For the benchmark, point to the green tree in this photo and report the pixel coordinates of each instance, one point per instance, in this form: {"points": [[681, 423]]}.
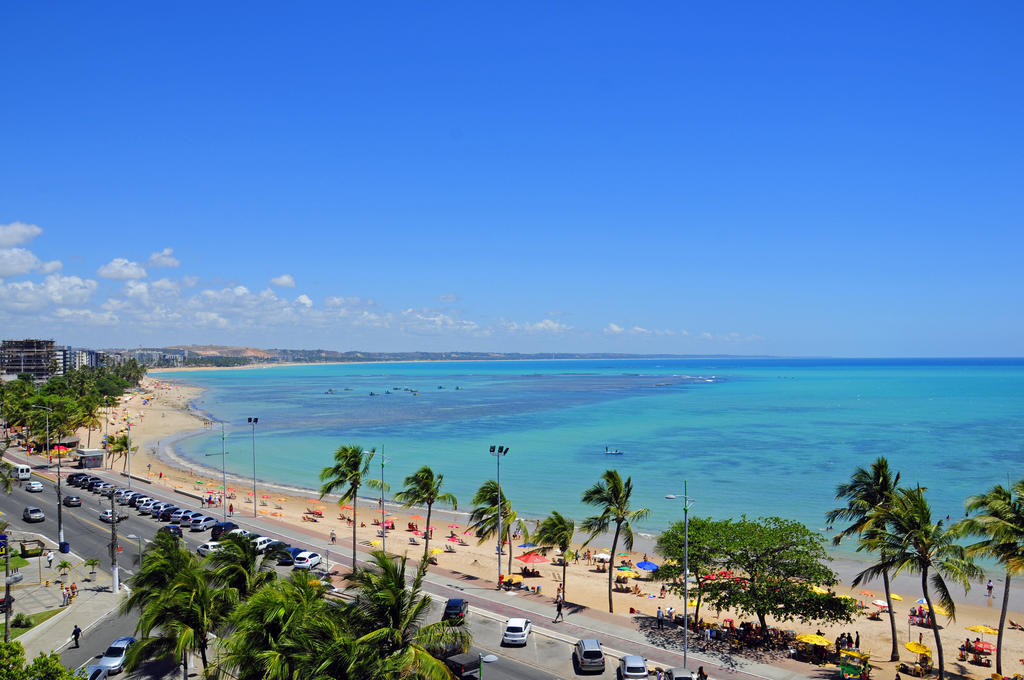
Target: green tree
{"points": [[423, 487], [351, 466], [774, 563], [388, 614], [117, 446], [557, 531], [613, 497], [908, 540], [43, 667], [239, 567], [708, 543], [485, 516], [1000, 524], [868, 496]]}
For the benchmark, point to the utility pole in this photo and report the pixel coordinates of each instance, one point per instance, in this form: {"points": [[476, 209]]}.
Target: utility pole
{"points": [[113, 547], [60, 505], [7, 587], [252, 423], [223, 474]]}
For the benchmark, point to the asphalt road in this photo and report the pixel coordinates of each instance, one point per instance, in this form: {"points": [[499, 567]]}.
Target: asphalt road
{"points": [[88, 536]]}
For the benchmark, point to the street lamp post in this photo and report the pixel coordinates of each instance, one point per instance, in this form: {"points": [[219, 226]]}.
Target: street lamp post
{"points": [[60, 505], [224, 475], [687, 502], [252, 422], [139, 539], [499, 452], [128, 453], [383, 526]]}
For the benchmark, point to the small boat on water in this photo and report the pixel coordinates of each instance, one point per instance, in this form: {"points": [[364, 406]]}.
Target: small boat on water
{"points": [[612, 452]]}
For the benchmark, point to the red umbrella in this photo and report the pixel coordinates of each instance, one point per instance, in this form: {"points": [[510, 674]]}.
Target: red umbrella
{"points": [[417, 533], [417, 517], [532, 558], [453, 526], [344, 507], [985, 646], [454, 539], [264, 496]]}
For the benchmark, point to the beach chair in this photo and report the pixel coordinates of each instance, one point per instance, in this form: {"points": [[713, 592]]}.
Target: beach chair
{"points": [[413, 541], [263, 502], [380, 533], [462, 542], [307, 518], [278, 506], [448, 548]]}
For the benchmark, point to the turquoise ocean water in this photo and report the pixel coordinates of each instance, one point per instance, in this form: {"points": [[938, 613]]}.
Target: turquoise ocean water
{"points": [[754, 436]]}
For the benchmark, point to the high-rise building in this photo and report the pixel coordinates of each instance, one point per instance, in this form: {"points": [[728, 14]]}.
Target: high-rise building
{"points": [[37, 357]]}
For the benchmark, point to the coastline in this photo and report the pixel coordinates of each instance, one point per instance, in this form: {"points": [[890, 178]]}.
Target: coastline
{"points": [[171, 416]]}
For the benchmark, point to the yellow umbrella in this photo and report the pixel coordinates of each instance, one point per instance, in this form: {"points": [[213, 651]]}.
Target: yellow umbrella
{"points": [[938, 609], [812, 639], [435, 551], [626, 572], [819, 590], [984, 630], [514, 578], [918, 648], [374, 543], [896, 597]]}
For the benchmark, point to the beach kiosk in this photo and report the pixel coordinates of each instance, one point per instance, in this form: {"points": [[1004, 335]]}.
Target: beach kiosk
{"points": [[854, 665], [88, 458]]}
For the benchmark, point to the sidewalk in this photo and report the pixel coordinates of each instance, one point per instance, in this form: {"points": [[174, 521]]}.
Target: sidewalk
{"points": [[93, 602]]}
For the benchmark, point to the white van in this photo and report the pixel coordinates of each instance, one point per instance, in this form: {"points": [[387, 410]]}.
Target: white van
{"points": [[22, 472]]}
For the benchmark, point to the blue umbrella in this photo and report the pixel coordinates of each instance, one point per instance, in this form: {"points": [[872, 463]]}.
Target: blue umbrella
{"points": [[647, 565], [528, 545]]}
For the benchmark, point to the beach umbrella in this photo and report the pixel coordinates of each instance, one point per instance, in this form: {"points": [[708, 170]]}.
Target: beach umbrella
{"points": [[374, 543], [249, 493], [894, 596], [417, 533], [880, 603], [419, 517], [312, 500], [282, 498], [276, 514], [265, 496], [454, 539], [231, 488], [602, 557], [867, 593], [918, 648], [435, 551], [532, 558], [627, 572], [527, 545], [985, 646], [811, 639], [983, 629], [941, 611], [453, 526], [647, 565], [921, 600], [344, 507], [467, 531]]}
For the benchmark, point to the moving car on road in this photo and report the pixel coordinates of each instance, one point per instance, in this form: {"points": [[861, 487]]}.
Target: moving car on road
{"points": [[34, 487], [517, 631], [113, 658], [72, 501], [31, 514]]}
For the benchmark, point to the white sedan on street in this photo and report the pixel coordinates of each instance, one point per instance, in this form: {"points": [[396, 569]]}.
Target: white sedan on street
{"points": [[307, 560], [516, 632], [34, 487]]}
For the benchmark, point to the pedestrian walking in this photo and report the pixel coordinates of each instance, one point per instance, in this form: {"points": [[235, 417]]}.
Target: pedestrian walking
{"points": [[989, 587], [49, 559], [334, 537], [856, 641], [670, 614], [76, 634], [661, 618], [559, 616], [231, 509]]}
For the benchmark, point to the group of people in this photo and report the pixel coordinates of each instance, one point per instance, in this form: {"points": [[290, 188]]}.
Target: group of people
{"points": [[846, 641], [67, 594]]}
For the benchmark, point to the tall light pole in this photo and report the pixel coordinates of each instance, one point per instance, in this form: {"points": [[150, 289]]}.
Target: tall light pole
{"points": [[224, 475], [60, 505], [252, 422], [687, 502], [115, 574], [383, 526], [499, 452]]}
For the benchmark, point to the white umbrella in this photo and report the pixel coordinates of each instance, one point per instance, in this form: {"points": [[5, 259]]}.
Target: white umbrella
{"points": [[880, 603], [603, 557]]}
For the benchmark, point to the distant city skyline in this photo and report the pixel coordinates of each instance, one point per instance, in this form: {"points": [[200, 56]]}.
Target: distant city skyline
{"points": [[750, 179]]}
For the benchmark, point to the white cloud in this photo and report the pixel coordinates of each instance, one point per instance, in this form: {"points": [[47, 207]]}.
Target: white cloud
{"points": [[449, 297], [27, 296], [85, 316], [165, 258], [304, 301], [284, 281], [122, 269], [16, 233], [430, 321], [211, 319], [15, 261], [190, 281], [545, 326], [613, 329]]}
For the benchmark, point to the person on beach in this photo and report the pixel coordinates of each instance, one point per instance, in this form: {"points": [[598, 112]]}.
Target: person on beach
{"points": [[334, 537], [231, 509], [661, 618], [76, 634], [559, 616], [989, 587], [670, 614]]}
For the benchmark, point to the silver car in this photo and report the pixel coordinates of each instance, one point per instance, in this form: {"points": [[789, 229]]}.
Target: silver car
{"points": [[201, 523], [113, 658], [632, 666]]}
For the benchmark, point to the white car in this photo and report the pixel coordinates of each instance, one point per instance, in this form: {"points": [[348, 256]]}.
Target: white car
{"points": [[306, 560], [239, 532], [261, 543], [207, 548], [632, 666], [109, 517], [516, 631], [34, 487], [126, 498]]}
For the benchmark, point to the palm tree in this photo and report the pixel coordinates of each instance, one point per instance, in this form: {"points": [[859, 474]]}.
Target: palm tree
{"points": [[6, 476], [283, 631], [613, 498], [173, 593], [351, 465], [558, 531], [89, 416], [868, 494], [1001, 526], [906, 539], [237, 565], [484, 518], [423, 487], [92, 563], [118, 444], [388, 613]]}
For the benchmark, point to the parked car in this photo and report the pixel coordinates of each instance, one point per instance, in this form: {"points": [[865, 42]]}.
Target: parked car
{"points": [[137, 501], [632, 666], [239, 532], [113, 658], [159, 507], [455, 610], [517, 631], [92, 672], [176, 517], [110, 517], [306, 560], [167, 512], [201, 523], [464, 666], [587, 655], [220, 528], [126, 499], [207, 548], [75, 477], [261, 543], [146, 506], [34, 487], [72, 501], [107, 490], [6, 604], [172, 529], [31, 514], [287, 558]]}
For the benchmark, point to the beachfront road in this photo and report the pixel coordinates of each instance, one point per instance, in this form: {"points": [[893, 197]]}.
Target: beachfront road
{"points": [[541, 659]]}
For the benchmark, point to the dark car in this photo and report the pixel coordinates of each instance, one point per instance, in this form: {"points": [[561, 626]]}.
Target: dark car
{"points": [[72, 501], [165, 514], [94, 484], [220, 528], [455, 610], [75, 477], [287, 558], [172, 529], [276, 548]]}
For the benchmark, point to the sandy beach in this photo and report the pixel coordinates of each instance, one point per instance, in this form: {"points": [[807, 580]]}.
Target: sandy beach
{"points": [[161, 413]]}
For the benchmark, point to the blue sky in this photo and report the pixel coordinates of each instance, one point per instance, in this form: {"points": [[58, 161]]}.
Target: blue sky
{"points": [[748, 178]]}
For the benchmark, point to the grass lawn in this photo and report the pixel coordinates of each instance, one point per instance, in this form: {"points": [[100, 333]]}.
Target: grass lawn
{"points": [[36, 620]]}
